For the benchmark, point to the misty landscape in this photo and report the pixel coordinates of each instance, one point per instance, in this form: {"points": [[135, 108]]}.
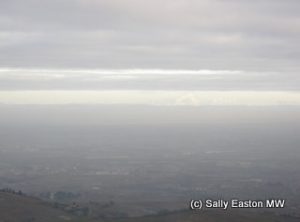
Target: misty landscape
{"points": [[133, 161], [149, 111]]}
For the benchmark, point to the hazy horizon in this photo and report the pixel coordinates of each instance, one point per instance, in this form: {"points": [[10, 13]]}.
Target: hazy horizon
{"points": [[135, 110]]}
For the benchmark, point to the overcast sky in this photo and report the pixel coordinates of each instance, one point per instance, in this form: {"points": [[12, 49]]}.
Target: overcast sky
{"points": [[185, 34], [157, 44]]}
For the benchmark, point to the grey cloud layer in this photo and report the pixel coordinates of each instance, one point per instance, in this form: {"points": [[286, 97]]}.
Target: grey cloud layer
{"points": [[170, 34], [144, 79]]}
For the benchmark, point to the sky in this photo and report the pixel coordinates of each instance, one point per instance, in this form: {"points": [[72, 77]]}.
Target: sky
{"points": [[188, 46]]}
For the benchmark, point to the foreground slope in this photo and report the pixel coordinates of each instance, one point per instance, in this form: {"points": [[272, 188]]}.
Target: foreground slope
{"points": [[20, 208], [214, 216]]}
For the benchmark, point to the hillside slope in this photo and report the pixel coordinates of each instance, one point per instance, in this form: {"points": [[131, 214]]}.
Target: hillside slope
{"points": [[213, 216], [19, 208]]}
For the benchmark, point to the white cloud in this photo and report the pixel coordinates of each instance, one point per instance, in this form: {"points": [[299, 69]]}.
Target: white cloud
{"points": [[159, 98], [142, 79]]}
